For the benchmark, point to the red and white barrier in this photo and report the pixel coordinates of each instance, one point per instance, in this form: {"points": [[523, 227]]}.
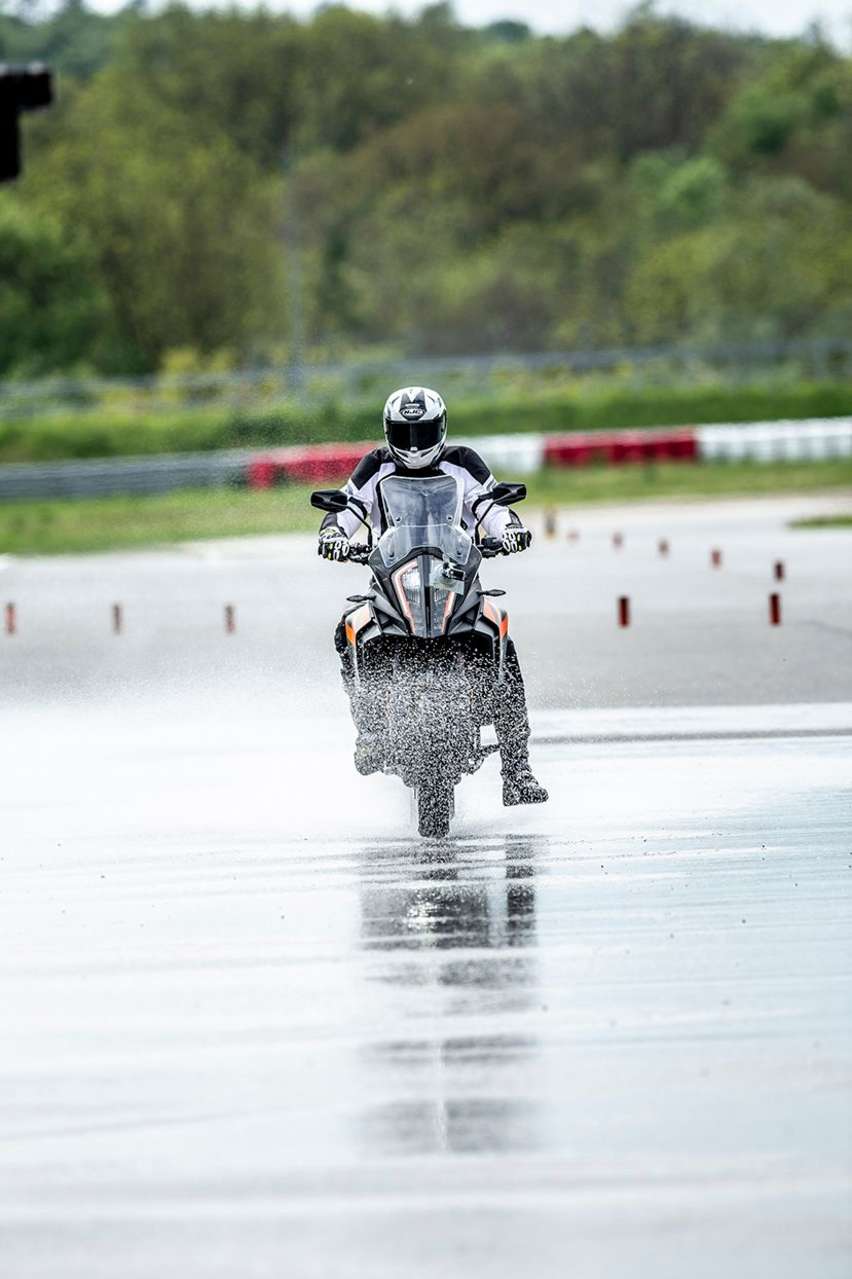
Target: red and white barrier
{"points": [[816, 439], [506, 454]]}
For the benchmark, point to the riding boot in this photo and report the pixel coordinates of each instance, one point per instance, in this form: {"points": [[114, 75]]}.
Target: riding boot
{"points": [[512, 726]]}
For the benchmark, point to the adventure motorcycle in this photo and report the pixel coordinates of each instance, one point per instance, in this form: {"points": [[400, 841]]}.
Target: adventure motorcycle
{"points": [[425, 647]]}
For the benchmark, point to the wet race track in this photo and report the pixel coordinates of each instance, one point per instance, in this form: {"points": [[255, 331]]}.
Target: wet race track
{"points": [[254, 1026]]}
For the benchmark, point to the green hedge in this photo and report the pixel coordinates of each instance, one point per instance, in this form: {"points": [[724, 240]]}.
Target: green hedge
{"points": [[103, 434]]}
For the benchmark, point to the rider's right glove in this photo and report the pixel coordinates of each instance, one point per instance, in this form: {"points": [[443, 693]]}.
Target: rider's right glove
{"points": [[333, 544]]}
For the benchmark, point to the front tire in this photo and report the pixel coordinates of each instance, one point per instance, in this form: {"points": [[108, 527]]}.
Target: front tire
{"points": [[434, 809]]}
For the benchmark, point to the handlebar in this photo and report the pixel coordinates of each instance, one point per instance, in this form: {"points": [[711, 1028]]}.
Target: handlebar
{"points": [[489, 547]]}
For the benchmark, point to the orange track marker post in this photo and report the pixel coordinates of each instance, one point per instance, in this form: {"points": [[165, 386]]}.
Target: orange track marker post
{"points": [[778, 570], [117, 619], [623, 610], [617, 541], [663, 546], [716, 557], [550, 520], [230, 619], [774, 609], [11, 618]]}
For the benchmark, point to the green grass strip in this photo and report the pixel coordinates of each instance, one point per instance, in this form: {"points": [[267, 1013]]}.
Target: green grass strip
{"points": [[825, 521]]}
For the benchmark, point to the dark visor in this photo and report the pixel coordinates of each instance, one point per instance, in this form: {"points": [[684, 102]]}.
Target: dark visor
{"points": [[415, 435]]}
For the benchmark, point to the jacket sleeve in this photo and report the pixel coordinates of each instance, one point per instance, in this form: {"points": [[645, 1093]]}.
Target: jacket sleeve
{"points": [[361, 486], [478, 483]]}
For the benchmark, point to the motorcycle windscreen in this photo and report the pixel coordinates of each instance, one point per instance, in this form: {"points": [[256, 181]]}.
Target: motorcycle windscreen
{"points": [[422, 511], [425, 597]]}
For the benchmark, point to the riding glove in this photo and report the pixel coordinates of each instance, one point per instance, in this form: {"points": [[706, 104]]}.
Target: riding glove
{"points": [[516, 538], [333, 544]]}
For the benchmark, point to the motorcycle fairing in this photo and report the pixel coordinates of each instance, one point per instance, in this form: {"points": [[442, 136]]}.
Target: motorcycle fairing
{"points": [[476, 615], [426, 575], [356, 620]]}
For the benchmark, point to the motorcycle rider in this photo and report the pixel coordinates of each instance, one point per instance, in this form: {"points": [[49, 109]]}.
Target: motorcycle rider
{"points": [[415, 428]]}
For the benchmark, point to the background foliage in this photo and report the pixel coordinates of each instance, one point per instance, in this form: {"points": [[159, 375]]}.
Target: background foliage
{"points": [[439, 188], [119, 430]]}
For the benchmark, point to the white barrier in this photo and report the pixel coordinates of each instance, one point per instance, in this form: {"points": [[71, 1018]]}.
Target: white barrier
{"points": [[811, 440], [518, 454]]}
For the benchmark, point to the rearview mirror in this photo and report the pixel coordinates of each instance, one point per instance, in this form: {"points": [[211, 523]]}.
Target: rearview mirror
{"points": [[330, 500], [505, 494]]}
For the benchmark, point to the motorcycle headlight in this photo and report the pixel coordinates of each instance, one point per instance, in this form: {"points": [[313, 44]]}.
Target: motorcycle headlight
{"points": [[443, 601], [408, 585]]}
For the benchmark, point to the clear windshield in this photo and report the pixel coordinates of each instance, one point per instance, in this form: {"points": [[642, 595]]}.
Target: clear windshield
{"points": [[422, 512]]}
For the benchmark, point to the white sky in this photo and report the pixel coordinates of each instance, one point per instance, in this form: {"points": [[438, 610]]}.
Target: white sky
{"points": [[772, 17]]}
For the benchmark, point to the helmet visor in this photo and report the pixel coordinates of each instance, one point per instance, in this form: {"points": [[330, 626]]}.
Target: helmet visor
{"points": [[407, 436]]}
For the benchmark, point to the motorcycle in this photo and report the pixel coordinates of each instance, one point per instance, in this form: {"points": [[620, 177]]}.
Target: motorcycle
{"points": [[425, 646]]}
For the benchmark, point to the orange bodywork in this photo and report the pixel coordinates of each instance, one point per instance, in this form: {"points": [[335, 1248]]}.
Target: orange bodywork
{"points": [[498, 616], [356, 622]]}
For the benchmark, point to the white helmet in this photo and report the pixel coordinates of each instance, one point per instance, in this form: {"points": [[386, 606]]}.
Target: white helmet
{"points": [[415, 420]]}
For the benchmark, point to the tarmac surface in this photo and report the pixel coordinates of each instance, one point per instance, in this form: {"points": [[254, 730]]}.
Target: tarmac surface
{"points": [[252, 1025], [698, 635]]}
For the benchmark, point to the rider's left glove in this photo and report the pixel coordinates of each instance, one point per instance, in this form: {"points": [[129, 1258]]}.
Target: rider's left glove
{"points": [[516, 538], [333, 544]]}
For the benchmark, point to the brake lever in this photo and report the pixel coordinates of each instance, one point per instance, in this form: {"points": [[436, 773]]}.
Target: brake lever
{"points": [[490, 547], [359, 554]]}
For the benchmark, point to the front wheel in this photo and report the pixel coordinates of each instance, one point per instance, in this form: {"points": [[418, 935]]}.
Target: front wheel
{"points": [[434, 809]]}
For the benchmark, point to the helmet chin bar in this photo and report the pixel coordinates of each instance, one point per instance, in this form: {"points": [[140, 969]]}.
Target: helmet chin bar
{"points": [[417, 461]]}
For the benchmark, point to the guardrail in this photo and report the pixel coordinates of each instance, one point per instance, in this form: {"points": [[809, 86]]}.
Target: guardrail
{"points": [[112, 476]]}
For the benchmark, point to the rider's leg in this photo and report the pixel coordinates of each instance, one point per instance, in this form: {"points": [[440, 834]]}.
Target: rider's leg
{"points": [[512, 726]]}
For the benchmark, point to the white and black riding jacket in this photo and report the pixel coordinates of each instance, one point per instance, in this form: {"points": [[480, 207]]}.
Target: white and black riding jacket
{"points": [[473, 482]]}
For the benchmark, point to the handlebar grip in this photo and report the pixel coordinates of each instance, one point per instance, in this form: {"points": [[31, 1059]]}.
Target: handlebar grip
{"points": [[490, 546], [359, 554]]}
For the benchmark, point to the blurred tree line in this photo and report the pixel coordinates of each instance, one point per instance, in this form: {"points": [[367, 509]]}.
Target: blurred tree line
{"points": [[447, 189]]}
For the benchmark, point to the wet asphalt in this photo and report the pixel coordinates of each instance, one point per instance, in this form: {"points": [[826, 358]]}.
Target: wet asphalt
{"points": [[253, 1025]]}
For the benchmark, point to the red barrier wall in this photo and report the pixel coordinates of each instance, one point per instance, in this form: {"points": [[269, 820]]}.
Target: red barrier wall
{"points": [[620, 447], [311, 464]]}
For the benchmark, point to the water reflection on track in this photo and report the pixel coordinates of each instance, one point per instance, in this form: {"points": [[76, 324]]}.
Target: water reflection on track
{"points": [[459, 935]]}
